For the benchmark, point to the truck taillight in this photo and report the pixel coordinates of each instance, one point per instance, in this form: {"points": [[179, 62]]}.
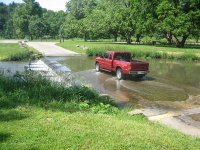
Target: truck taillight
{"points": [[129, 67]]}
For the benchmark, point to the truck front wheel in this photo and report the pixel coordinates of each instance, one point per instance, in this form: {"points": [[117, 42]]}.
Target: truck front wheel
{"points": [[119, 74], [97, 67]]}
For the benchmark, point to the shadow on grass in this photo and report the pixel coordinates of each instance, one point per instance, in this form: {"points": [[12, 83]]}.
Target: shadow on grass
{"points": [[11, 115], [4, 136]]}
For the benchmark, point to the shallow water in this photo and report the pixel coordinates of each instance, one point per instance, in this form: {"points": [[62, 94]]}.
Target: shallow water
{"points": [[10, 68], [168, 81]]}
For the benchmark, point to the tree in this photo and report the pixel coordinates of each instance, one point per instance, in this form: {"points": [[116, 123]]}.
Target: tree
{"points": [[70, 27], [55, 20], [9, 31], [3, 16], [37, 27], [94, 25], [22, 15], [78, 11], [178, 19], [143, 12]]}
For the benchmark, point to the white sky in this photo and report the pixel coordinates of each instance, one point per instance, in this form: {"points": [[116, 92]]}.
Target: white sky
{"points": [[54, 5]]}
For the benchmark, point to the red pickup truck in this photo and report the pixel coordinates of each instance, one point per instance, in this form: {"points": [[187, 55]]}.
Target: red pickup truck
{"points": [[122, 64]]}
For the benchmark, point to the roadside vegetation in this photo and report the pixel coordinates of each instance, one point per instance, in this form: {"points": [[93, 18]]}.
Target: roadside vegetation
{"points": [[14, 52], [144, 51], [175, 21], [38, 114]]}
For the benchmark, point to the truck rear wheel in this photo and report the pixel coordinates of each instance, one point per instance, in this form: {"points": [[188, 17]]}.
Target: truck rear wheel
{"points": [[119, 74], [97, 67]]}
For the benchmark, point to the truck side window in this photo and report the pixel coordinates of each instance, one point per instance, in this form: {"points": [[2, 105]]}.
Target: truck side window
{"points": [[106, 55], [110, 57]]}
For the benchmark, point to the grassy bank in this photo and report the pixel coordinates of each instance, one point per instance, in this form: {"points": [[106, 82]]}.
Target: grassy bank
{"points": [[145, 51], [38, 114], [13, 52]]}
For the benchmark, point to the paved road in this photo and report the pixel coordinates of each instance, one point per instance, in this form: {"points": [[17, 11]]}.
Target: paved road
{"points": [[51, 49]]}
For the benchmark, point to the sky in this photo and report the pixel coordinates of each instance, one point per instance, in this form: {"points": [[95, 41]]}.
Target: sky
{"points": [[54, 5]]}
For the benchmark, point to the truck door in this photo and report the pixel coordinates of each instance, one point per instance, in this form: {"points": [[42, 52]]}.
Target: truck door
{"points": [[103, 62], [109, 61]]}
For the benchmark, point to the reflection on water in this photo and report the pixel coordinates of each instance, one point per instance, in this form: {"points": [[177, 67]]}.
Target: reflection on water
{"points": [[182, 72], [167, 80], [79, 63]]}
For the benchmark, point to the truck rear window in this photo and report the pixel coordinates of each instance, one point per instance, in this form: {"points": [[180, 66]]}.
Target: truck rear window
{"points": [[123, 56]]}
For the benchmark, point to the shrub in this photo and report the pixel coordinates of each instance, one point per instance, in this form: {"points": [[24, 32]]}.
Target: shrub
{"points": [[148, 54], [35, 90]]}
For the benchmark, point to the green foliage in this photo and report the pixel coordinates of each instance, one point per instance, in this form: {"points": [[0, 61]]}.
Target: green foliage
{"points": [[28, 19], [25, 55], [22, 16], [104, 19], [3, 15], [178, 19], [13, 52], [32, 89], [53, 21], [45, 115], [37, 27], [142, 51], [148, 54]]}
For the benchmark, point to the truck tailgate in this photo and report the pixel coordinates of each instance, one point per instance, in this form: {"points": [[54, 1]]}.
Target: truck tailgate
{"points": [[139, 66]]}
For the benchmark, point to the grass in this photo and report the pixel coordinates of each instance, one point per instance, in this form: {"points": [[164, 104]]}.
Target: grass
{"points": [[13, 52], [38, 114], [146, 51]]}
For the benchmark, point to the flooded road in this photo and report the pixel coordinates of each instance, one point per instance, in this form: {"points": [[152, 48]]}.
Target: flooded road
{"points": [[167, 81], [170, 93]]}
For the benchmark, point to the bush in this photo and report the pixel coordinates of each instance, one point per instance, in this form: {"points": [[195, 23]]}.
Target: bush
{"points": [[148, 54], [42, 92], [24, 55]]}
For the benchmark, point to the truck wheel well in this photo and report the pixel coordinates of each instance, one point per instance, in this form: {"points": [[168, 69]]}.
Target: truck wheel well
{"points": [[118, 68]]}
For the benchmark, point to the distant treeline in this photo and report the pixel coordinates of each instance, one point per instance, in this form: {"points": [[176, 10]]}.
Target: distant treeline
{"points": [[174, 20]]}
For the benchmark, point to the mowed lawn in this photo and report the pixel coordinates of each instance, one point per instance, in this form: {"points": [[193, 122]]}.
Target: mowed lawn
{"points": [[35, 128], [6, 50], [72, 45], [14, 52]]}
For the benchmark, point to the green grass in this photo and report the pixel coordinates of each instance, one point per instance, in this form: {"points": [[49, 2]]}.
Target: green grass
{"points": [[38, 114], [146, 51], [13, 52]]}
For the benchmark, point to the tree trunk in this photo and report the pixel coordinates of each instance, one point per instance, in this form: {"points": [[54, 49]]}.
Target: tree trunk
{"points": [[169, 38], [128, 38], [180, 43], [138, 38], [115, 37], [184, 40], [85, 37], [197, 39]]}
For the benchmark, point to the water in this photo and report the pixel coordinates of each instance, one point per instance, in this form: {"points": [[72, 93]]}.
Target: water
{"points": [[171, 84], [171, 87], [10, 68]]}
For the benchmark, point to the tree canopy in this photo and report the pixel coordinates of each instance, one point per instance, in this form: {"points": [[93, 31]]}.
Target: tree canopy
{"points": [[175, 20]]}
